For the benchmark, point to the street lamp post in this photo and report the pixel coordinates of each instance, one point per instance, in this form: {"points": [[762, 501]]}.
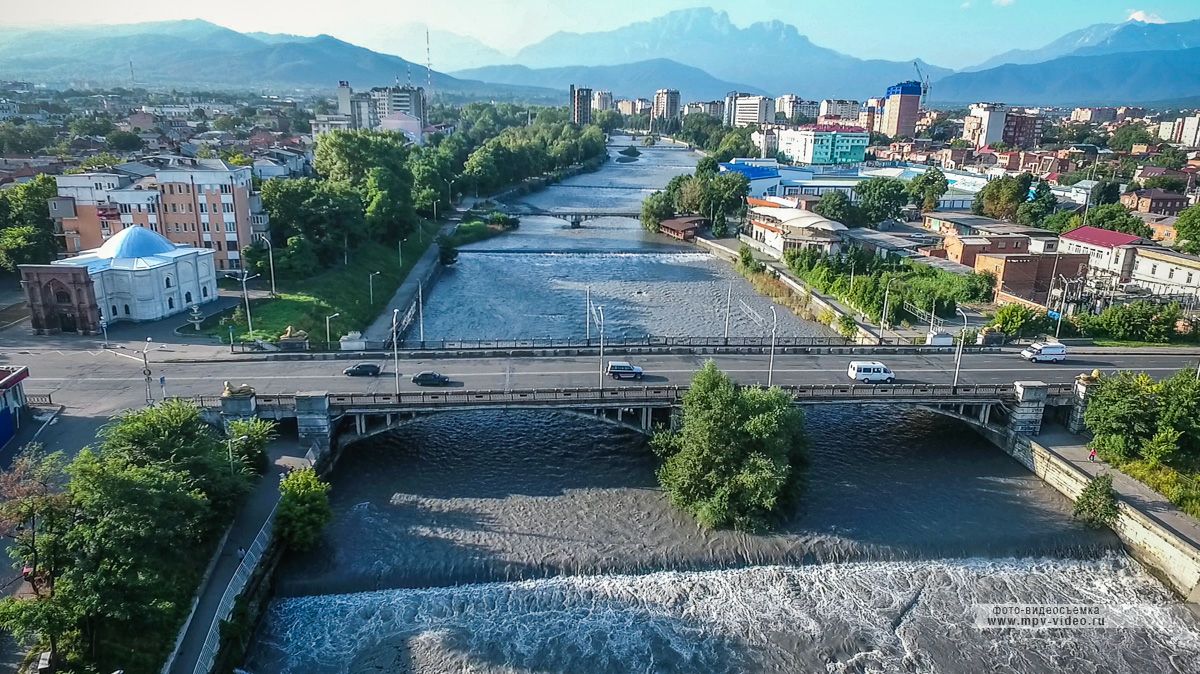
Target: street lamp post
{"points": [[771, 361], [328, 336], [598, 317], [587, 319], [146, 372], [271, 259], [962, 340], [229, 444], [421, 311], [728, 306], [886, 297], [371, 286], [396, 348], [400, 251], [246, 299], [449, 190]]}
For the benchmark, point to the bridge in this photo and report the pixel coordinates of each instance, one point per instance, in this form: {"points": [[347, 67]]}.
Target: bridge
{"points": [[321, 416], [573, 218]]}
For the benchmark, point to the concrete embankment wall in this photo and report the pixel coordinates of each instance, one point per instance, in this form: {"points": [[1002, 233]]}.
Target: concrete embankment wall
{"points": [[1169, 556]]}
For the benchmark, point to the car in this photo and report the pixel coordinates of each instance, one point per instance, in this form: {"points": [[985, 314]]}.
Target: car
{"points": [[1045, 352], [430, 378], [619, 369], [870, 372], [362, 370]]}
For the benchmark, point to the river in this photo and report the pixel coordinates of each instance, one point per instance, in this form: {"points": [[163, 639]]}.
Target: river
{"points": [[539, 542]]}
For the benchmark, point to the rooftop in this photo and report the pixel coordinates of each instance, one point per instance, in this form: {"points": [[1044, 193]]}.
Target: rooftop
{"points": [[1101, 237], [1158, 193], [131, 248]]}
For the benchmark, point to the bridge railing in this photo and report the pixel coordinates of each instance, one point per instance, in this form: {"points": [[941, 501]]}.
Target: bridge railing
{"points": [[570, 343]]}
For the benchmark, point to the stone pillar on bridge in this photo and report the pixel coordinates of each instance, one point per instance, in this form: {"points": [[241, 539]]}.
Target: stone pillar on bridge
{"points": [[234, 407], [313, 424], [1026, 417], [1083, 389]]}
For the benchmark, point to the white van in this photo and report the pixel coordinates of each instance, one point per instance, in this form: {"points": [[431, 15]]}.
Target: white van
{"points": [[1045, 352], [870, 372]]}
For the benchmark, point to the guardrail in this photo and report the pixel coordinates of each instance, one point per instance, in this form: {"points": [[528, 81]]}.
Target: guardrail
{"points": [[245, 569], [38, 399], [557, 343], [637, 395]]}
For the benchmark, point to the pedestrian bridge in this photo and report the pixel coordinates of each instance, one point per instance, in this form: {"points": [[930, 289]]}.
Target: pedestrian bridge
{"points": [[574, 218], [322, 416]]}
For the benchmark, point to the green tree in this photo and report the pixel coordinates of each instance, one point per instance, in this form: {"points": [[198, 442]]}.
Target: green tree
{"points": [[734, 454], [1001, 197], [1105, 192], [447, 253], [836, 206], [303, 509], [1035, 211], [655, 208], [747, 262], [250, 438], [707, 165], [1178, 408], [1097, 503], [1168, 183], [123, 141], [927, 188], [1187, 229], [98, 125], [26, 245], [1116, 218], [1121, 414], [881, 199], [1124, 138], [1017, 320], [1170, 157]]}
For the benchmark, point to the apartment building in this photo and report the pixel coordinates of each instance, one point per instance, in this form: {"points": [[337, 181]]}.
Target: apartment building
{"points": [[824, 144], [984, 124], [1094, 115], [901, 109], [602, 100], [1111, 253], [1155, 200], [839, 107], [713, 108], [581, 105], [792, 106], [666, 104], [206, 203], [1163, 271], [407, 99], [753, 110], [1022, 129]]}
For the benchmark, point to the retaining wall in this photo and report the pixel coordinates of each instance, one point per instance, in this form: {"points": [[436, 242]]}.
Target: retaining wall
{"points": [[1168, 555]]}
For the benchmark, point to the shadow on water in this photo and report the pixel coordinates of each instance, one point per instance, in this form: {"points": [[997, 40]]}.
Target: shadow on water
{"points": [[494, 496]]}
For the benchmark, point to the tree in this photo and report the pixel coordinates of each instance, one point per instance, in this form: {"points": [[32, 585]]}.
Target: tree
{"points": [[747, 262], [1035, 211], [1137, 321], [1062, 221], [1105, 192], [836, 206], [447, 253], [655, 208], [927, 188], [1168, 183], [123, 141], [881, 199], [1187, 229], [26, 245], [1016, 320], [1171, 157], [98, 125], [733, 456], [250, 439], [1097, 503], [707, 165], [303, 509], [1001, 198], [1124, 138], [1116, 218], [1121, 414]]}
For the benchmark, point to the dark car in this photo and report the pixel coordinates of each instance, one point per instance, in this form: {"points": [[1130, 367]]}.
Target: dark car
{"points": [[430, 378], [362, 370]]}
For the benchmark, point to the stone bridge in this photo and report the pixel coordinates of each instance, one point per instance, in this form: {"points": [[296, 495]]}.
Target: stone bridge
{"points": [[574, 218], [322, 417]]}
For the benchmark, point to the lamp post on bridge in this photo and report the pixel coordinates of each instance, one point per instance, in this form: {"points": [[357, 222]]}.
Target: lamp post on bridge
{"points": [[887, 290], [962, 340], [762, 323], [371, 287], [396, 349], [598, 317], [328, 335]]}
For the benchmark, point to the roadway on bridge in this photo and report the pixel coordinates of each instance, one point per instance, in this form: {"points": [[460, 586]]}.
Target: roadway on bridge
{"points": [[115, 380]]}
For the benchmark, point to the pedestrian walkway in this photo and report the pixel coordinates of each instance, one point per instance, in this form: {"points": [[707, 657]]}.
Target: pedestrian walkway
{"points": [[284, 454], [381, 329], [1073, 449]]}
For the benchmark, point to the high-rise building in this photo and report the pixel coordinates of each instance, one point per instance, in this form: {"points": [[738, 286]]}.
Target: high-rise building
{"points": [[206, 203], [1189, 133], [581, 105], [602, 100], [837, 107], [627, 106], [730, 108], [713, 108], [354, 111], [901, 109], [792, 106], [824, 144], [1094, 115], [870, 117], [642, 106], [406, 99], [666, 104], [752, 110], [1023, 130], [984, 124]]}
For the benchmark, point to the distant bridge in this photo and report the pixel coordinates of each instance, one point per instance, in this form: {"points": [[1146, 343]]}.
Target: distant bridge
{"points": [[574, 218]]}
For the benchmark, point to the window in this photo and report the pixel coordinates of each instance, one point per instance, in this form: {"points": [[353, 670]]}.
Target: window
{"points": [[168, 280], [226, 208], [1189, 278], [170, 189], [218, 245], [1002, 245], [1171, 273], [203, 206], [126, 309], [205, 226], [1154, 270], [230, 227], [226, 189], [174, 208], [204, 291], [170, 302], [187, 297], [235, 264], [125, 208], [114, 311], [189, 207], [62, 297], [208, 244]]}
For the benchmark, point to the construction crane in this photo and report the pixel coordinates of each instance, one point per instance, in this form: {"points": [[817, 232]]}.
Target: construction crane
{"points": [[924, 79]]}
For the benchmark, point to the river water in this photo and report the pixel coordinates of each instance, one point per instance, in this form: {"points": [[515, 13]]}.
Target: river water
{"points": [[533, 542]]}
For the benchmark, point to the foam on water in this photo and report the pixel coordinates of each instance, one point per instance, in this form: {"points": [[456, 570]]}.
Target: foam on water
{"points": [[856, 617]]}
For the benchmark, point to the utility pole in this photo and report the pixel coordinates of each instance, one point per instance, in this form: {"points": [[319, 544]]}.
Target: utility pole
{"points": [[598, 316], [587, 319], [396, 348], [728, 306], [328, 335], [146, 372], [961, 344], [886, 296], [771, 362], [421, 310]]}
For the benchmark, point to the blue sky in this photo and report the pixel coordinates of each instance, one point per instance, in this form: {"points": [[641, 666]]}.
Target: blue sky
{"points": [[953, 33]]}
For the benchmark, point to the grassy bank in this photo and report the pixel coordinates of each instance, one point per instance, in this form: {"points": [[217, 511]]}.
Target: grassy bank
{"points": [[471, 232], [1181, 487], [304, 303]]}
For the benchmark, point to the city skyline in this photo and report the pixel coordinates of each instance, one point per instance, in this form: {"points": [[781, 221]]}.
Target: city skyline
{"points": [[971, 30]]}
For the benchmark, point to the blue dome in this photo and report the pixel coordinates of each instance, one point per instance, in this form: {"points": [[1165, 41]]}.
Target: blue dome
{"points": [[133, 242]]}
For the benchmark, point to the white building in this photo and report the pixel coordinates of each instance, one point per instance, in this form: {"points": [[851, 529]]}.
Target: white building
{"points": [[781, 229], [398, 122], [139, 275], [792, 106], [602, 100], [753, 110], [984, 124], [1191, 131], [831, 107], [1163, 271], [1111, 253]]}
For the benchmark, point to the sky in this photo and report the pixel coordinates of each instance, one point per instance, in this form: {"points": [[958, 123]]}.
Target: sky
{"points": [[951, 33]]}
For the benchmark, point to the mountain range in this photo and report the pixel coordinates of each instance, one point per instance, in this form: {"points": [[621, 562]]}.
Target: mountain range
{"points": [[199, 53], [701, 52], [627, 80]]}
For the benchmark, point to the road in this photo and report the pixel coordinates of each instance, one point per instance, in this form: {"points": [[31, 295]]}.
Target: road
{"points": [[114, 379]]}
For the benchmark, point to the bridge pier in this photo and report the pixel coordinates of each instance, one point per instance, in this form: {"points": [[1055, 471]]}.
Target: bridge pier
{"points": [[313, 423], [1075, 423], [237, 407], [1026, 417], [646, 415], [985, 414]]}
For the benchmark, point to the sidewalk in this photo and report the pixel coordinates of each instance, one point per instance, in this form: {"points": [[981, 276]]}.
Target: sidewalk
{"points": [[381, 329], [1073, 449], [246, 525]]}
